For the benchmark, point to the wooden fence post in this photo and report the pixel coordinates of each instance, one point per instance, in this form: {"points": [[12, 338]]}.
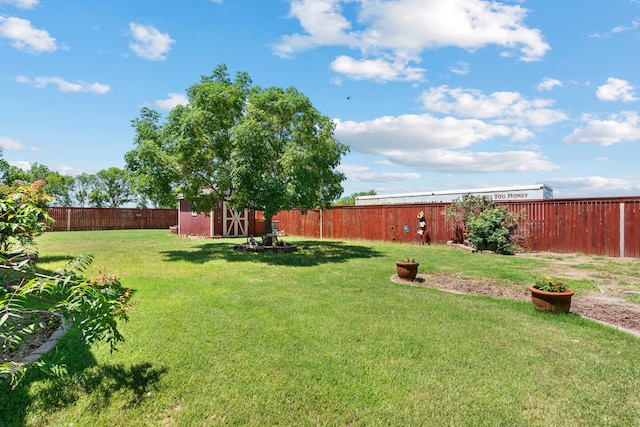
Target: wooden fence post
{"points": [[622, 229]]}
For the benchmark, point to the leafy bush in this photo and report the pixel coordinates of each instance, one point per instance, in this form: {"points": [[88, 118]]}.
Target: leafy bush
{"points": [[23, 214], [462, 209], [487, 227], [93, 305], [492, 229]]}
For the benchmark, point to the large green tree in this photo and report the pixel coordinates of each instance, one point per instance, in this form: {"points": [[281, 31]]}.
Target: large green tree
{"points": [[111, 188], [265, 149], [152, 175], [83, 185], [10, 173], [58, 186], [351, 199]]}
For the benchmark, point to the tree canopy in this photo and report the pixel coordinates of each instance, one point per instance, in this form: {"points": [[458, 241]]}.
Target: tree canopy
{"points": [[351, 199], [111, 188], [264, 149], [108, 187]]}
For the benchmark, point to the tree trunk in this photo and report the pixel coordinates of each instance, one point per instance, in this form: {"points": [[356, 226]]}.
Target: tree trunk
{"points": [[459, 237], [268, 229]]}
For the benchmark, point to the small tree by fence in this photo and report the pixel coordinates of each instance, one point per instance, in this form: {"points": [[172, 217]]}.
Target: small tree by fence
{"points": [[83, 219]]}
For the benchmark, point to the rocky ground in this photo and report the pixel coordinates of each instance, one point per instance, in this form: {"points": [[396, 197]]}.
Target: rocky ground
{"points": [[612, 303]]}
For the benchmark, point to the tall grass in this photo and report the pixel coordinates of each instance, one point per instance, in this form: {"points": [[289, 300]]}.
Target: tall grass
{"points": [[323, 337]]}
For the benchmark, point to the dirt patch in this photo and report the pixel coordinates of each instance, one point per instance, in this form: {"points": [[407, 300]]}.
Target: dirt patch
{"points": [[49, 323], [607, 305]]}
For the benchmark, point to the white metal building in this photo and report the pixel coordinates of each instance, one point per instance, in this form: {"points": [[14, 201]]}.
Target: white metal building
{"points": [[498, 194]]}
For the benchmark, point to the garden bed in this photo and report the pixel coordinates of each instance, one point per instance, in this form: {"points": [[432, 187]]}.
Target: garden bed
{"points": [[613, 311]]}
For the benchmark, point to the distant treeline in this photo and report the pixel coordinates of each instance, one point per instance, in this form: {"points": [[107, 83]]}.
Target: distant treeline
{"points": [[108, 188]]}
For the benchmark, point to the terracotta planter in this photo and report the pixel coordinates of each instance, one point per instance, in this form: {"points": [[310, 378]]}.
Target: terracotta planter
{"points": [[407, 270], [554, 302]]}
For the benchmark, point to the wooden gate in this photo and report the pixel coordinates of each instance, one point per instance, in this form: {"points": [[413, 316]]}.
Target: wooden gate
{"points": [[235, 223]]}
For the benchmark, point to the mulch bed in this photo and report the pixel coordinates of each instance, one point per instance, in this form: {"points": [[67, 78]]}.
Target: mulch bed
{"points": [[615, 312]]}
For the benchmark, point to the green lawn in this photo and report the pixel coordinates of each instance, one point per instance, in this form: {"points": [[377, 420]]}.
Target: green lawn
{"points": [[323, 337]]}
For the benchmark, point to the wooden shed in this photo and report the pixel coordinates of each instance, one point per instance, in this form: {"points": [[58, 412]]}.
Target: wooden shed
{"points": [[221, 222]]}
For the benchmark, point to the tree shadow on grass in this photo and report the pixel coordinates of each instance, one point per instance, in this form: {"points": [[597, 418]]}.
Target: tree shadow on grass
{"points": [[55, 258], [309, 253], [40, 392]]}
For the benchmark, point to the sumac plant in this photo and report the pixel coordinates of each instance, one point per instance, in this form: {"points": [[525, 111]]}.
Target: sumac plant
{"points": [[23, 214], [93, 305]]}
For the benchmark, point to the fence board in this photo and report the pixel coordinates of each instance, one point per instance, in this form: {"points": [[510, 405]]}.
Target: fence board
{"points": [[590, 226], [83, 219]]}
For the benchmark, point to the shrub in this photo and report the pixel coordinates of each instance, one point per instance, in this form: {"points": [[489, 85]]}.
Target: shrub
{"points": [[93, 305], [492, 229], [23, 214], [462, 209]]}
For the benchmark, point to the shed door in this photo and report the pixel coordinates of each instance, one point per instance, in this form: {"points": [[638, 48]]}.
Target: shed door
{"points": [[235, 223]]}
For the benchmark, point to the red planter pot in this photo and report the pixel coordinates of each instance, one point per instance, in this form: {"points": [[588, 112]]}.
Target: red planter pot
{"points": [[553, 302], [407, 270]]}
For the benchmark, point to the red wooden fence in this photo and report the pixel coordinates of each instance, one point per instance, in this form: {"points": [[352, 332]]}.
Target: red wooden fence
{"points": [[609, 226], [80, 219]]}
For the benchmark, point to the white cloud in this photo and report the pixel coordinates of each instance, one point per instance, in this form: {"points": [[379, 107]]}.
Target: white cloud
{"points": [[403, 29], [502, 107], [364, 173], [68, 170], [149, 43], [65, 86], [22, 4], [592, 186], [173, 100], [376, 69], [635, 24], [461, 68], [616, 90], [217, 1], [434, 144], [23, 36], [7, 143], [416, 132], [25, 166], [549, 84], [480, 161], [624, 126], [10, 144], [323, 23]]}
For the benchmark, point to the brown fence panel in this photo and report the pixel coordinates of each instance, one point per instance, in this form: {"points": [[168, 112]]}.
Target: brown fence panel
{"points": [[367, 222], [569, 226], [608, 226], [82, 219], [632, 229]]}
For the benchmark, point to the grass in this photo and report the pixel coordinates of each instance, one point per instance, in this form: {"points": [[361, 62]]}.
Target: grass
{"points": [[323, 337]]}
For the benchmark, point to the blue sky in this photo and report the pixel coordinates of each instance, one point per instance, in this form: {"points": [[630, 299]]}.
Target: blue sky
{"points": [[429, 95]]}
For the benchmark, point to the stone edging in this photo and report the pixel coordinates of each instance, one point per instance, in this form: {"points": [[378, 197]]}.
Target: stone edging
{"points": [[50, 343]]}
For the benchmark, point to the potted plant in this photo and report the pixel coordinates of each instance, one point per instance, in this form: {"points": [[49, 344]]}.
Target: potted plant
{"points": [[407, 268], [551, 295]]}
